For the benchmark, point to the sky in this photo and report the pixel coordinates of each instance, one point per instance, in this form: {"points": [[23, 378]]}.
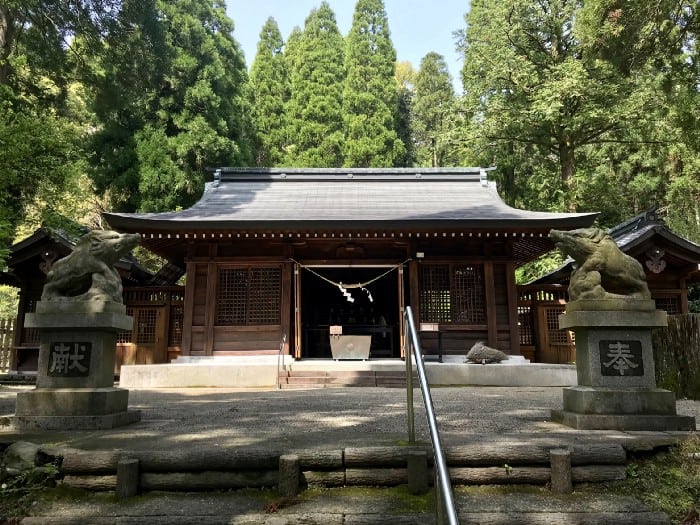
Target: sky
{"points": [[417, 26]]}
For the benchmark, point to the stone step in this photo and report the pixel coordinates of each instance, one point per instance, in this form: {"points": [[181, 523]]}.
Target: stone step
{"points": [[346, 507], [342, 378], [545, 508]]}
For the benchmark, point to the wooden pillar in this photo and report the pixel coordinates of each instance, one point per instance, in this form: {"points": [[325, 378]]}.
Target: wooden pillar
{"points": [[297, 311], [512, 308], [127, 477], [685, 308], [188, 308], [18, 329], [417, 466], [289, 475], [210, 308], [402, 335], [560, 462], [285, 306], [490, 291]]}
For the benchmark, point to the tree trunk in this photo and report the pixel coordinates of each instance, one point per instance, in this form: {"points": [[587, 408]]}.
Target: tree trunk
{"points": [[567, 166], [8, 30]]}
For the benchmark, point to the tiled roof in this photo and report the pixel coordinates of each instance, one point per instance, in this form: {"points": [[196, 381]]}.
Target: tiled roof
{"points": [[627, 236], [253, 198]]}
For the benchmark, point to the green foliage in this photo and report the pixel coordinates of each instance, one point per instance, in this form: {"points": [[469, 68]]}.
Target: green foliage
{"points": [[539, 267], [270, 90], [569, 93], [181, 106], [667, 481], [369, 94], [405, 85], [433, 109], [18, 493], [8, 302], [40, 152], [314, 121]]}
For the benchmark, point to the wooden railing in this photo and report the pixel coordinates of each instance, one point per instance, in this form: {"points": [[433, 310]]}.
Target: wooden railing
{"points": [[7, 331]]}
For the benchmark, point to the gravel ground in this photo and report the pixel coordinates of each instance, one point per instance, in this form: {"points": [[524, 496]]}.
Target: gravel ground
{"points": [[320, 418]]}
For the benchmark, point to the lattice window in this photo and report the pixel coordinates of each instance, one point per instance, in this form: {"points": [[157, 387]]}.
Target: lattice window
{"points": [[452, 294], [435, 294], [468, 296], [146, 326], [177, 315], [233, 284], [556, 335], [672, 305], [249, 296], [525, 326], [125, 335]]}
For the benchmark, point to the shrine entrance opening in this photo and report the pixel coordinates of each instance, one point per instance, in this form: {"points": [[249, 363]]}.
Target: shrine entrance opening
{"points": [[372, 310]]}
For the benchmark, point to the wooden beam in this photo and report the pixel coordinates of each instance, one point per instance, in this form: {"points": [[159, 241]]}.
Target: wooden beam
{"points": [[188, 308], [490, 292], [513, 308], [210, 308]]}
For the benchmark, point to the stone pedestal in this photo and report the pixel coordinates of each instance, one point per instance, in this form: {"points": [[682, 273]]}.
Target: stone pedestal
{"points": [[75, 380], [615, 369]]}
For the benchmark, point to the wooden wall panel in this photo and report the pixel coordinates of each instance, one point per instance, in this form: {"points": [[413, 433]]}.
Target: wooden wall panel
{"points": [[200, 295], [230, 339], [198, 338]]}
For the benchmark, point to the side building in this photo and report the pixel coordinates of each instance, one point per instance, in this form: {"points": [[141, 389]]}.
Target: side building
{"points": [[671, 264]]}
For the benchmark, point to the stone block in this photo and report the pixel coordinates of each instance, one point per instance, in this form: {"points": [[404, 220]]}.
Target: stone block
{"points": [[103, 422], [589, 400], [624, 422], [612, 318], [76, 359], [615, 357], [622, 304], [72, 401]]}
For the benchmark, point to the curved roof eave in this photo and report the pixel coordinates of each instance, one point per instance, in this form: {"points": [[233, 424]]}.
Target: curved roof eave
{"points": [[141, 224]]}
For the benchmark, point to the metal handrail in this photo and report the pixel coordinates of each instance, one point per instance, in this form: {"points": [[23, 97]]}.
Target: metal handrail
{"points": [[446, 511]]}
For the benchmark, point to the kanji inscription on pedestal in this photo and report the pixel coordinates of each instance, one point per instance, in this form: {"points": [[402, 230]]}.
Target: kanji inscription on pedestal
{"points": [[69, 359], [621, 358]]}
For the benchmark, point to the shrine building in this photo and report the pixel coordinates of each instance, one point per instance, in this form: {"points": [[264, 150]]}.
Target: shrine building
{"points": [[285, 256]]}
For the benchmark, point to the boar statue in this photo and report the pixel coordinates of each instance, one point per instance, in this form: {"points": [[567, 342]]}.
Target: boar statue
{"points": [[602, 270], [88, 273]]}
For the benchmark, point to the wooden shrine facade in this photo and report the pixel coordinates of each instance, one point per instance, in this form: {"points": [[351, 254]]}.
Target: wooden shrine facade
{"points": [[280, 256]]}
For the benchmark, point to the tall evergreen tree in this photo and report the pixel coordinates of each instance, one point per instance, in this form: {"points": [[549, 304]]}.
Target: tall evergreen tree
{"points": [[41, 136], [550, 81], [405, 86], [314, 111], [199, 116], [369, 95], [269, 86], [432, 112]]}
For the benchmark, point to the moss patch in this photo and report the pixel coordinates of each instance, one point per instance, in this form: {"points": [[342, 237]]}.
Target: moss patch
{"points": [[668, 481]]}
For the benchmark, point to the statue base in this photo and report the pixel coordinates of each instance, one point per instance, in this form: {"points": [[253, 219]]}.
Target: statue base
{"points": [[73, 409], [75, 378], [590, 408], [615, 370]]}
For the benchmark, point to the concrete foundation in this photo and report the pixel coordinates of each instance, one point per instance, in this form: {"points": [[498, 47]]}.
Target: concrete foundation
{"points": [[261, 372]]}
